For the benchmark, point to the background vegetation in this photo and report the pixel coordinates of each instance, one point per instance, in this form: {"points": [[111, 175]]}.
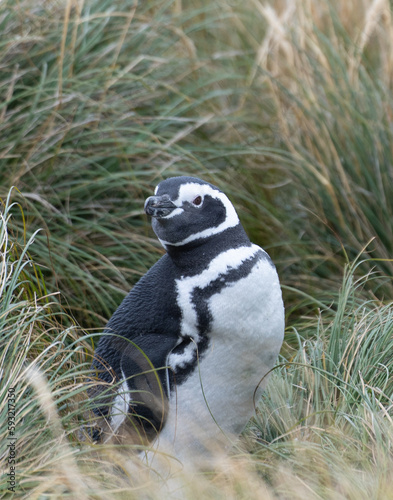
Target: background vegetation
{"points": [[285, 105]]}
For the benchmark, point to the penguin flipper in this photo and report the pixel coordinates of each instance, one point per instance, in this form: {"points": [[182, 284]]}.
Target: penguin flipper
{"points": [[143, 366]]}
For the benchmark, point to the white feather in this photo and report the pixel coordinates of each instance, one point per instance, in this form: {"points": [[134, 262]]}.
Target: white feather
{"points": [[120, 406]]}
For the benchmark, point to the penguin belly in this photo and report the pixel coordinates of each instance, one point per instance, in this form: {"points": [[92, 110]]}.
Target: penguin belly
{"points": [[213, 405]]}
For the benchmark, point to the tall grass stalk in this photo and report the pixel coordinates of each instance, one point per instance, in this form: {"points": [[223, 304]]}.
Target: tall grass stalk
{"points": [[330, 71]]}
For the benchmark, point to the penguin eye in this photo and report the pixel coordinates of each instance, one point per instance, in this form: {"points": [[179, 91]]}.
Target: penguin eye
{"points": [[197, 201]]}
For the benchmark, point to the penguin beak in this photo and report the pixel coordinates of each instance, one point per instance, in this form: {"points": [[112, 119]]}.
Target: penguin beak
{"points": [[159, 206]]}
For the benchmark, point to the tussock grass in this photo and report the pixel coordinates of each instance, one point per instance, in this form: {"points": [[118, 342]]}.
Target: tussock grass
{"points": [[36, 366], [329, 68], [323, 427], [341, 376], [92, 115], [287, 106], [44, 370]]}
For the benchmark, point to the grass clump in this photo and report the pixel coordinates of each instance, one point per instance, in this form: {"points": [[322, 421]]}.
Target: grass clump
{"points": [[44, 370], [330, 73], [92, 114], [35, 367], [287, 107], [325, 419], [323, 427]]}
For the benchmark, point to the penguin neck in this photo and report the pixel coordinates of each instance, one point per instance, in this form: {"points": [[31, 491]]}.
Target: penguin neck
{"points": [[193, 257]]}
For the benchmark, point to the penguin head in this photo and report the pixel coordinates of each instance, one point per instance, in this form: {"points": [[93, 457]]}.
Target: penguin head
{"points": [[187, 209]]}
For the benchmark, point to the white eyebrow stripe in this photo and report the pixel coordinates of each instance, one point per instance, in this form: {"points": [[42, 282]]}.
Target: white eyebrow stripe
{"points": [[191, 190], [188, 192]]}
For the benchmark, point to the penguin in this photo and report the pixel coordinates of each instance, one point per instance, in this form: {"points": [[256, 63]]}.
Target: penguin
{"points": [[182, 357]]}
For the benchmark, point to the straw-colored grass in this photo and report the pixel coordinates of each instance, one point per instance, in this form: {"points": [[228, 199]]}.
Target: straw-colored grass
{"points": [[322, 430], [287, 106]]}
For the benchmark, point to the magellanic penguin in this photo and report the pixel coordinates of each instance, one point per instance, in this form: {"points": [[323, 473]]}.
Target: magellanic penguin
{"points": [[190, 343]]}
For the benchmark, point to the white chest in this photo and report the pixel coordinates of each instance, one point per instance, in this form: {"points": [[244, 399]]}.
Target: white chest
{"points": [[246, 333], [229, 299]]}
